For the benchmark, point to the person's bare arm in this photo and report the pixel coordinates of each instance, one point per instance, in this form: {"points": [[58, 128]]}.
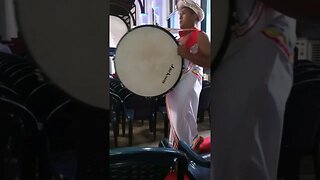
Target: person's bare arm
{"points": [[298, 9], [203, 57]]}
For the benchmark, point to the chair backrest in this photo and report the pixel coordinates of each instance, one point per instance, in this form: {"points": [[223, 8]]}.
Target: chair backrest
{"points": [[146, 163], [161, 101], [303, 61], [302, 116], [8, 93], [143, 107], [44, 99], [115, 102], [304, 66], [205, 98], [118, 88], [15, 109], [15, 67], [25, 85], [199, 164], [306, 75], [206, 83], [23, 71], [7, 70], [114, 83], [58, 127], [10, 59], [20, 125]]}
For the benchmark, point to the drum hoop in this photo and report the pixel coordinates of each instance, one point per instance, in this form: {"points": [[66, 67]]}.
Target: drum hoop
{"points": [[226, 39], [161, 28]]}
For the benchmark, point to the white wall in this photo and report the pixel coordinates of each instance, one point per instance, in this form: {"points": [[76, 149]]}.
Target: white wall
{"points": [[208, 18], [161, 9]]}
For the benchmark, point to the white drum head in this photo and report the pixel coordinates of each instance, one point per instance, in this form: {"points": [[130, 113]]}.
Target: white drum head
{"points": [[147, 62], [117, 29], [67, 39], [221, 13]]}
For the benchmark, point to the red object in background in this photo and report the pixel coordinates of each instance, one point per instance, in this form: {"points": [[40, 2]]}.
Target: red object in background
{"points": [[114, 75], [18, 46], [205, 146], [173, 176]]}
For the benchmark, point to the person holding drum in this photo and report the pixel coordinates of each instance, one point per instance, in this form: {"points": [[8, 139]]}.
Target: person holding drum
{"points": [[182, 102], [251, 87]]}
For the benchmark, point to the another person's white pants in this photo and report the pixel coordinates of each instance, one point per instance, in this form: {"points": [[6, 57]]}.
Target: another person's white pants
{"points": [[249, 93]]}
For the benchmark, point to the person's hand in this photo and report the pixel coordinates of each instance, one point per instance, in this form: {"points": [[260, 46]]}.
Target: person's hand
{"points": [[182, 51]]}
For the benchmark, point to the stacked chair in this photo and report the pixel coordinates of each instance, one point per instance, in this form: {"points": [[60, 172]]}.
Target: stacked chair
{"points": [[305, 69], [204, 101], [37, 128], [127, 107], [20, 127], [301, 128]]}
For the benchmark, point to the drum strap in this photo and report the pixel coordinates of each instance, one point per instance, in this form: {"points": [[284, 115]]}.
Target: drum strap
{"points": [[226, 39]]}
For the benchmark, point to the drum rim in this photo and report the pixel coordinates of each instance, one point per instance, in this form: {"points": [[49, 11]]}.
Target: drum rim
{"points": [[219, 55], [161, 28]]}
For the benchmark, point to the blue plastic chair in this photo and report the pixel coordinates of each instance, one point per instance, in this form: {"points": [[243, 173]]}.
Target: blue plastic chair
{"points": [[135, 163], [198, 164]]}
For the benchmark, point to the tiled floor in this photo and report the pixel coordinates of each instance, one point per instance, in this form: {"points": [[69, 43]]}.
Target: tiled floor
{"points": [[143, 137]]}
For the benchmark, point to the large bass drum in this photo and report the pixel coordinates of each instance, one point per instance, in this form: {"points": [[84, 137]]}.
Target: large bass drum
{"points": [[67, 39], [147, 62]]}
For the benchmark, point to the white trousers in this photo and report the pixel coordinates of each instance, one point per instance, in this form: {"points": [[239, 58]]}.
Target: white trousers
{"points": [[249, 93], [182, 107]]}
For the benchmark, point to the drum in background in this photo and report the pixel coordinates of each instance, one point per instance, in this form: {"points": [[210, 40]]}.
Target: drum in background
{"points": [[117, 29], [221, 18], [147, 62], [67, 39]]}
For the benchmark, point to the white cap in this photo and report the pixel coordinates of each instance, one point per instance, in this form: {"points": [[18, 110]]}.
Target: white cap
{"points": [[193, 6]]}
